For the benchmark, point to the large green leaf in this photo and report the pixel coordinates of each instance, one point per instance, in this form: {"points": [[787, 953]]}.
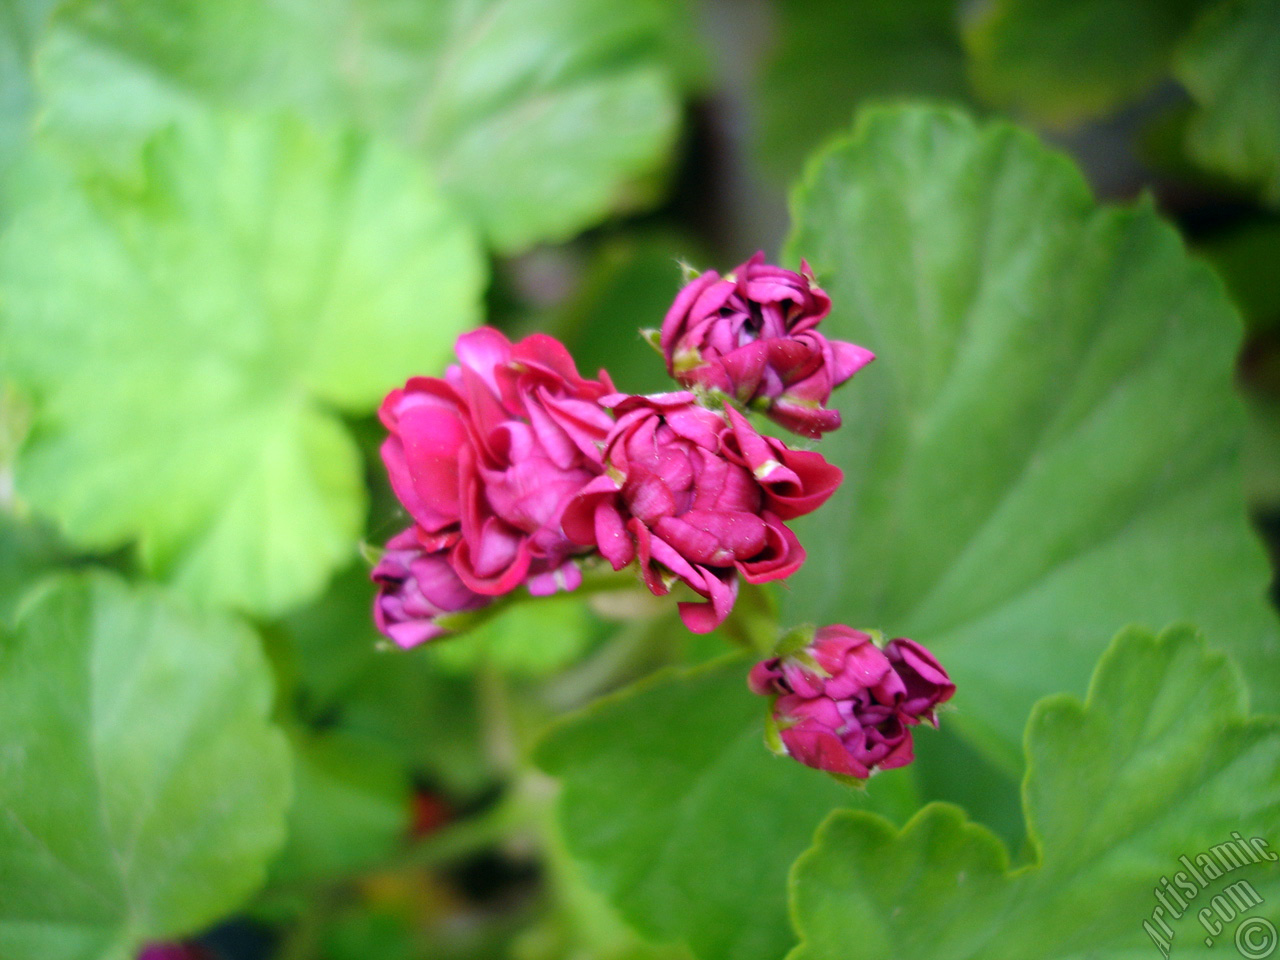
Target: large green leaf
{"points": [[1067, 62], [1231, 65], [142, 788], [540, 116], [22, 23], [832, 56], [682, 817], [184, 340], [1159, 763], [1048, 446]]}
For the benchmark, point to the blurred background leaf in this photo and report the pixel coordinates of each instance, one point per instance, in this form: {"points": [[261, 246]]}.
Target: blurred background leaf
{"points": [[350, 809], [1062, 63], [540, 117], [534, 638], [27, 552], [626, 286], [21, 31], [186, 337], [1231, 65], [832, 55], [143, 789], [343, 679]]}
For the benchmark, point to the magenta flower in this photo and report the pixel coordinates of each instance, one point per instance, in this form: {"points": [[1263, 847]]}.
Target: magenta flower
{"points": [[697, 498], [174, 951], [486, 459], [753, 336], [415, 587], [843, 705]]}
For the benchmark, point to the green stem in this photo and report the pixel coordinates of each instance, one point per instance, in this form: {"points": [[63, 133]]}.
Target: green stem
{"points": [[636, 645], [494, 701]]}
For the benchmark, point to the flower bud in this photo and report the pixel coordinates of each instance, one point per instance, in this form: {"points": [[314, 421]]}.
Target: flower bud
{"points": [[753, 336], [415, 587], [843, 705]]}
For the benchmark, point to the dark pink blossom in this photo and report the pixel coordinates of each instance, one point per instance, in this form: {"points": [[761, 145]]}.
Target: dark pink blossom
{"points": [[843, 705], [697, 498], [174, 951], [752, 335], [486, 458], [415, 587]]}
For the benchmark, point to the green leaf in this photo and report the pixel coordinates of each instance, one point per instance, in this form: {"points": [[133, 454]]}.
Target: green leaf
{"points": [[1159, 763], [1063, 63], [21, 27], [350, 809], [1048, 444], [142, 788], [832, 56], [27, 552], [186, 339], [1231, 65], [540, 118], [683, 819]]}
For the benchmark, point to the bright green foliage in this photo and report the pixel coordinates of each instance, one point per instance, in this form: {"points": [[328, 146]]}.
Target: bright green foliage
{"points": [[535, 637], [22, 23], [350, 809], [1048, 445], [1231, 65], [1068, 62], [142, 789], [540, 116], [185, 338], [684, 819], [833, 55], [1159, 762]]}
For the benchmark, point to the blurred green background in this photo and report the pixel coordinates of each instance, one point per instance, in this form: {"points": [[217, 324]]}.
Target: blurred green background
{"points": [[229, 228]]}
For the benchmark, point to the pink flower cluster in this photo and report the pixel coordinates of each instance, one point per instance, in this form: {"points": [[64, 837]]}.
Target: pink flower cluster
{"points": [[516, 469], [846, 706]]}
